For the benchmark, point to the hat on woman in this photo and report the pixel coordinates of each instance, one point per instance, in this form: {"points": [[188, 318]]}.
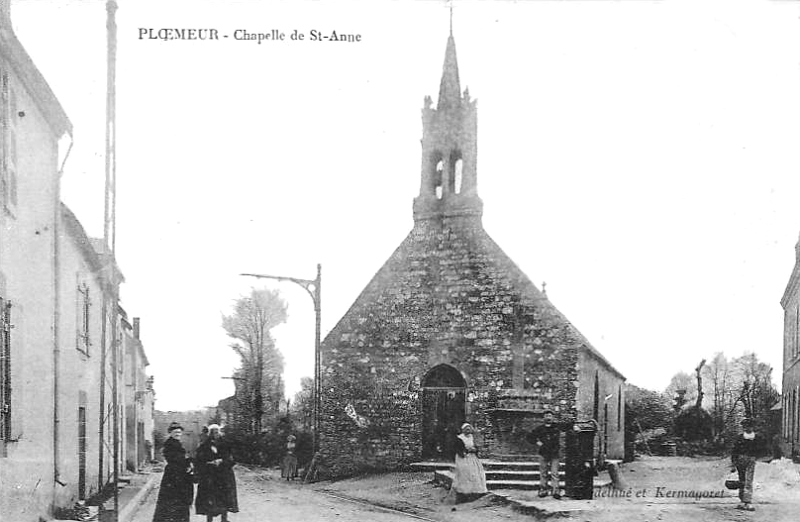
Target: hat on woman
{"points": [[465, 425], [291, 438], [214, 427], [174, 426]]}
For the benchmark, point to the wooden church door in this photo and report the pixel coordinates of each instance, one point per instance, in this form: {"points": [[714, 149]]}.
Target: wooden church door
{"points": [[443, 413]]}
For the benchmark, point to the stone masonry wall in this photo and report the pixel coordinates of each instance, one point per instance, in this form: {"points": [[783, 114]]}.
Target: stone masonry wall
{"points": [[448, 295]]}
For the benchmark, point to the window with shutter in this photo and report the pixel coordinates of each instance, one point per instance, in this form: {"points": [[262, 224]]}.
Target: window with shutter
{"points": [[84, 341], [5, 369]]}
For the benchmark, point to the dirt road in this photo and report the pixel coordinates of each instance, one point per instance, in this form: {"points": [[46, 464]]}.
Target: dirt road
{"points": [[264, 497]]}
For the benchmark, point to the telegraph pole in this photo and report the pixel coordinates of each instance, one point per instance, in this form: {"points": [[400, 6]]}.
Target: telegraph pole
{"points": [[111, 312]]}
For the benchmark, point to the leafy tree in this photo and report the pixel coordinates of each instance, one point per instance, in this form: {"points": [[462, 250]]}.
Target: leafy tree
{"points": [[259, 390], [681, 390], [732, 389], [646, 408], [302, 409], [648, 414], [718, 387], [753, 394], [694, 424]]}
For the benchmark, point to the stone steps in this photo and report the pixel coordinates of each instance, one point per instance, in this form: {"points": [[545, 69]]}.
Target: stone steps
{"points": [[488, 465], [446, 477], [431, 466], [511, 474], [500, 474], [513, 465]]}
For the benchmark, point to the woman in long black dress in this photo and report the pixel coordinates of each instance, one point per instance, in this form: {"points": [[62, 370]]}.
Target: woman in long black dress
{"points": [[216, 489], [177, 490]]}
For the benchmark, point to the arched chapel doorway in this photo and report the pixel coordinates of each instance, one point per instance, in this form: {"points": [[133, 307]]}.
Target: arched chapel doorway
{"points": [[443, 412]]}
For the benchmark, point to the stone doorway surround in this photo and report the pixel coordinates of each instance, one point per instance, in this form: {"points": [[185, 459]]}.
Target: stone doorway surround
{"points": [[443, 411]]}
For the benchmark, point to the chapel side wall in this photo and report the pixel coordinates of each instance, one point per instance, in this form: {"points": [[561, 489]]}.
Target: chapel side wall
{"points": [[609, 384]]}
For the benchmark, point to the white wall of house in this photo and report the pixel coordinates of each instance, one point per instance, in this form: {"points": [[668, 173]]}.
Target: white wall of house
{"points": [[79, 362], [48, 267], [27, 268]]}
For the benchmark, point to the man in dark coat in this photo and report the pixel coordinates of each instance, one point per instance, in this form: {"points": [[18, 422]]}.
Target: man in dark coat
{"points": [[177, 489], [216, 488], [547, 438], [747, 448]]}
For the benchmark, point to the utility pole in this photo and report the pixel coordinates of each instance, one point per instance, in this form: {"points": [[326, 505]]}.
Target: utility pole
{"points": [[314, 289], [110, 295]]}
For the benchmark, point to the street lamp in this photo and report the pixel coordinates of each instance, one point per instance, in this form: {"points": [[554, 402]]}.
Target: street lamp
{"points": [[314, 289]]}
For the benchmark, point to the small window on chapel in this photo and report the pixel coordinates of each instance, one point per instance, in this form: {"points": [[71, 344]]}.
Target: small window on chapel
{"points": [[796, 343], [458, 175]]}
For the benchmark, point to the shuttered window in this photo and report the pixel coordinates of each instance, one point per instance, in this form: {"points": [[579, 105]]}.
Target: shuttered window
{"points": [[5, 369], [83, 340]]}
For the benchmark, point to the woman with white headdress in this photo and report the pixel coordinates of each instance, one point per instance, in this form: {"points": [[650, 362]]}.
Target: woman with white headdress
{"points": [[216, 486], [469, 481]]}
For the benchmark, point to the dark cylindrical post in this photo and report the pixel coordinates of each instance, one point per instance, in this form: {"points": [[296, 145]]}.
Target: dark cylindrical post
{"points": [[317, 355]]}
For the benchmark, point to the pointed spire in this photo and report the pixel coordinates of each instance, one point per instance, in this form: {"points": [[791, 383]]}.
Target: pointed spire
{"points": [[450, 87]]}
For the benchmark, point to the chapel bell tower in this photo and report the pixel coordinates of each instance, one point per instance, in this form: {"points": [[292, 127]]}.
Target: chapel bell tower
{"points": [[448, 185]]}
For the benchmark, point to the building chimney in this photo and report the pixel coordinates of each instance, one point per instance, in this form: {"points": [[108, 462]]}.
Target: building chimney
{"points": [[135, 319]]}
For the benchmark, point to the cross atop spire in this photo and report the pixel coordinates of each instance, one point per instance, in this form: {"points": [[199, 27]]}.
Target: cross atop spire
{"points": [[450, 5]]}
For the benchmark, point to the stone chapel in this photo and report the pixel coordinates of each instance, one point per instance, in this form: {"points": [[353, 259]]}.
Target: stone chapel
{"points": [[451, 330]]}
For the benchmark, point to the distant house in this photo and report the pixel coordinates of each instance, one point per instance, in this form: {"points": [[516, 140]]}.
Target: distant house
{"points": [[228, 411], [192, 421], [82, 285], [451, 330], [138, 398]]}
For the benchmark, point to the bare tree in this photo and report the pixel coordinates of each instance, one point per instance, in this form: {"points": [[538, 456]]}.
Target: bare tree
{"points": [[718, 373], [250, 325], [699, 401]]}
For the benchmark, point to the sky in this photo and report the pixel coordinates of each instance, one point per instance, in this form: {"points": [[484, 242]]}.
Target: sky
{"points": [[638, 156]]}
